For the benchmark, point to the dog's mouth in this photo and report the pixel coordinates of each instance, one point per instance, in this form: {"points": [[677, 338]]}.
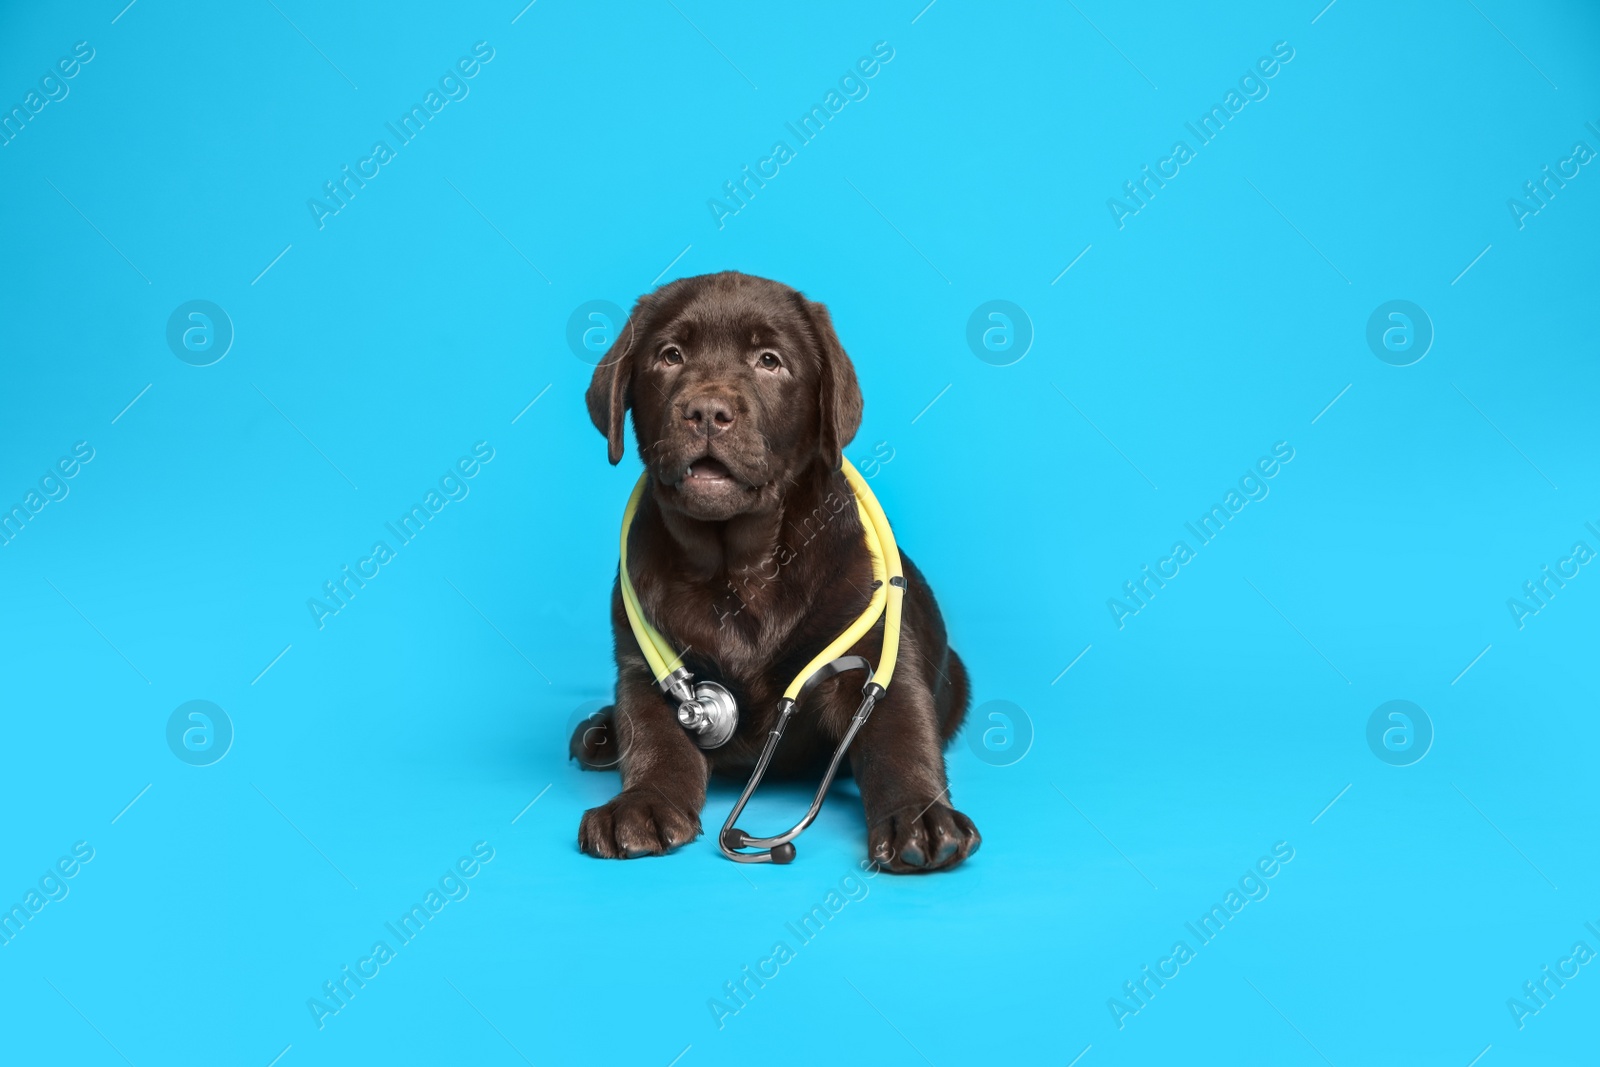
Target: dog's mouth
{"points": [[706, 471], [708, 488]]}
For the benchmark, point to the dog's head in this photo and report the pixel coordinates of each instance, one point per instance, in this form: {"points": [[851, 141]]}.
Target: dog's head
{"points": [[737, 385]]}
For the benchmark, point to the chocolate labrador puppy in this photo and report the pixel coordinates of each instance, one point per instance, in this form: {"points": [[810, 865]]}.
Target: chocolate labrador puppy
{"points": [[747, 550]]}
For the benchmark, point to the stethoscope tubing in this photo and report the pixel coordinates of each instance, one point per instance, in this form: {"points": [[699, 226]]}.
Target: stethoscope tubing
{"points": [[778, 849], [886, 604]]}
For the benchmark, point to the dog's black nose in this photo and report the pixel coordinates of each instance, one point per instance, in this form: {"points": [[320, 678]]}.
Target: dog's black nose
{"points": [[709, 414]]}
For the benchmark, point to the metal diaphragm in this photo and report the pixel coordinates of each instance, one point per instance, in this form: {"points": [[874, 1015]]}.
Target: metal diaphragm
{"points": [[711, 717]]}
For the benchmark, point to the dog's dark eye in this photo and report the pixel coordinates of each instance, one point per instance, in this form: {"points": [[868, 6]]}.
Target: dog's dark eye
{"points": [[769, 361], [671, 357]]}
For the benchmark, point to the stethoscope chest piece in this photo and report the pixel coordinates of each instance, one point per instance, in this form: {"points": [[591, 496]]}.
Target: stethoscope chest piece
{"points": [[711, 716]]}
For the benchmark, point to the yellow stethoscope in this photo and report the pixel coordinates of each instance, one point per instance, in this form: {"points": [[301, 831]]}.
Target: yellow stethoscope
{"points": [[708, 711]]}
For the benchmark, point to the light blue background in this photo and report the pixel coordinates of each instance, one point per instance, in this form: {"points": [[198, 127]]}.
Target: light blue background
{"points": [[428, 714]]}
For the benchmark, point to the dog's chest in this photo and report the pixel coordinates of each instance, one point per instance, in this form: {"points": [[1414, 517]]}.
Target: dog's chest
{"points": [[741, 633]]}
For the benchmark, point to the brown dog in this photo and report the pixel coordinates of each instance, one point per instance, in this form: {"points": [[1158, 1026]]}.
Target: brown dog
{"points": [[747, 550]]}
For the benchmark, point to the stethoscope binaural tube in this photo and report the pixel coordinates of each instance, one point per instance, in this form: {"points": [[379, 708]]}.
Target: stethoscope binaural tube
{"points": [[778, 849]]}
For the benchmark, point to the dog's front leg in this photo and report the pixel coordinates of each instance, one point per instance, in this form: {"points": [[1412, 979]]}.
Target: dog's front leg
{"points": [[663, 778], [899, 765]]}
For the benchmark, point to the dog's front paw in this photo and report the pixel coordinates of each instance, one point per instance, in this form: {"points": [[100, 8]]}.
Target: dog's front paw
{"points": [[637, 822], [909, 842]]}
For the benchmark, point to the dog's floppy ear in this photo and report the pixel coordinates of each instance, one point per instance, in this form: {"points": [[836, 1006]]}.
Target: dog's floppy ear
{"points": [[608, 397], [839, 395]]}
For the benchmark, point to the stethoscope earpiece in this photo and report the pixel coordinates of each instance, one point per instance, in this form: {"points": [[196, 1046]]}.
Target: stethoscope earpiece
{"points": [[732, 839]]}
